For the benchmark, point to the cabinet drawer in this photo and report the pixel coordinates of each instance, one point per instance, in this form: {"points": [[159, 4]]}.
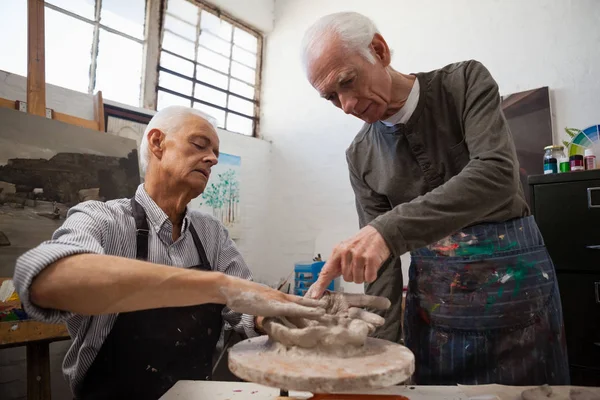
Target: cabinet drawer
{"points": [[580, 297], [568, 215]]}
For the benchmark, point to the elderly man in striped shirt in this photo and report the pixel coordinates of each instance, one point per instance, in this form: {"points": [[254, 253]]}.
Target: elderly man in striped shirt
{"points": [[144, 284]]}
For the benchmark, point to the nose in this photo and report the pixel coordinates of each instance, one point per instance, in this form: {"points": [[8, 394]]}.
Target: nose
{"points": [[348, 102], [212, 159]]}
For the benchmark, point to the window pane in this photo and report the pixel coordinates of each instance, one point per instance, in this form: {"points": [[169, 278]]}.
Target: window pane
{"points": [[184, 10], [168, 99], [245, 40], [177, 45], [181, 28], [242, 106], [242, 72], [119, 81], [241, 88], [212, 77], [13, 25], [212, 23], [213, 60], [68, 51], [215, 43], [175, 83], [124, 16], [217, 114], [244, 57], [210, 95], [238, 124], [83, 8], [176, 64]]}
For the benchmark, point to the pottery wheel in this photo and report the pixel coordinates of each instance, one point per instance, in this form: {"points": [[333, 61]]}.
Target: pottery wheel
{"points": [[379, 364]]}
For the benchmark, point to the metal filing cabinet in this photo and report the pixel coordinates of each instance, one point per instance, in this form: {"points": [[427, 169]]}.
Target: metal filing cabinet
{"points": [[567, 210]]}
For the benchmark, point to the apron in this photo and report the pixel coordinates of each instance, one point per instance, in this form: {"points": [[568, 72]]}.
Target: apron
{"points": [[483, 306], [148, 351]]}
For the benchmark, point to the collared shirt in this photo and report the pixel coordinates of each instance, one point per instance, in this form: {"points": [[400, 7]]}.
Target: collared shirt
{"points": [[404, 114], [109, 228], [452, 165]]}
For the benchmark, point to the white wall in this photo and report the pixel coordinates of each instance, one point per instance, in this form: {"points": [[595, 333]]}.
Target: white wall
{"points": [[257, 13], [524, 44]]}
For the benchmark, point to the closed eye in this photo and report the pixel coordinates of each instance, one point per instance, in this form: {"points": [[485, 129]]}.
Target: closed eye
{"points": [[347, 82], [199, 147]]}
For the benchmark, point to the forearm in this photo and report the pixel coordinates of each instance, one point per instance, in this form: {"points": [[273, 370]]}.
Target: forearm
{"points": [[93, 284], [483, 186]]}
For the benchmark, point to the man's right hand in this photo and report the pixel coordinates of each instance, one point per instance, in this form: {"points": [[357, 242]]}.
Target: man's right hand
{"points": [[248, 297]]}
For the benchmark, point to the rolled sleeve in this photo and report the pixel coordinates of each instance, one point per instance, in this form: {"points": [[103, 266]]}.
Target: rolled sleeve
{"points": [[80, 233]]}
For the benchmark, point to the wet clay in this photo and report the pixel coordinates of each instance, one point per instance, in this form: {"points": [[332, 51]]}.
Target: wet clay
{"points": [[340, 332]]}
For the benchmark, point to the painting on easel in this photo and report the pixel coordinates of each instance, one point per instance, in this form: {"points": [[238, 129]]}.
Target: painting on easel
{"points": [[46, 167], [221, 198]]}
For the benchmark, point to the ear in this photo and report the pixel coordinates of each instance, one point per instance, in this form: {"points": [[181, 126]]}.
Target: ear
{"points": [[381, 49], [155, 142]]}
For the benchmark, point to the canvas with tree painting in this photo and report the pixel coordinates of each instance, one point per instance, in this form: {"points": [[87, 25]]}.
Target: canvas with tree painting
{"points": [[221, 198]]}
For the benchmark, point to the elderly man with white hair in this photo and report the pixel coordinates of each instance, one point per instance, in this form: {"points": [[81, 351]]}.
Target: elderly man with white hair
{"points": [[434, 172], [144, 284]]}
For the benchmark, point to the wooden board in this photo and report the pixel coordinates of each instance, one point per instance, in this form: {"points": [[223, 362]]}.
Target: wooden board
{"points": [[36, 59]]}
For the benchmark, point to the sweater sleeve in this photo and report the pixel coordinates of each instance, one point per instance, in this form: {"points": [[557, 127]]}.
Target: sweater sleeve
{"points": [[489, 180]]}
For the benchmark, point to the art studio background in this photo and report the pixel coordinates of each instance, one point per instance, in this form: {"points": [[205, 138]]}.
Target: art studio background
{"points": [[283, 183]]}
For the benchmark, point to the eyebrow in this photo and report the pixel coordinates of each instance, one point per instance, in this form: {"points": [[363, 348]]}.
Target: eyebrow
{"points": [[340, 78]]}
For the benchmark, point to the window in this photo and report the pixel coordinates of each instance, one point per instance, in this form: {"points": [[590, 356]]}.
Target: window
{"points": [[86, 42], [211, 63]]}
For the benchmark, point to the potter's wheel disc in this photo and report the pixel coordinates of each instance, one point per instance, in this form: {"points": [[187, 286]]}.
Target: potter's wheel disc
{"points": [[381, 364]]}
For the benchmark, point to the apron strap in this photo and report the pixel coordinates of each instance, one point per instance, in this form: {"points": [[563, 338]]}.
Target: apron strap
{"points": [[203, 259], [142, 230]]}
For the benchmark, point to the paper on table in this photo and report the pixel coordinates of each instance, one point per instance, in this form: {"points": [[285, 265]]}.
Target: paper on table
{"points": [[7, 290], [501, 392]]}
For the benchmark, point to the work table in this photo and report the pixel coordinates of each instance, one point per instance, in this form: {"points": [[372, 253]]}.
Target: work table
{"points": [[199, 390]]}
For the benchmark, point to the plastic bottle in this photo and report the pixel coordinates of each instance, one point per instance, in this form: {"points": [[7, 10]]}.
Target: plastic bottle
{"points": [[589, 159]]}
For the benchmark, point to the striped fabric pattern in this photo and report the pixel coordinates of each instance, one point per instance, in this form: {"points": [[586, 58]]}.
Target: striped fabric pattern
{"points": [[109, 228]]}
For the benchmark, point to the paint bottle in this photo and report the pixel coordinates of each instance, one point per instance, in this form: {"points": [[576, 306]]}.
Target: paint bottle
{"points": [[551, 155], [589, 159], [563, 164], [576, 162]]}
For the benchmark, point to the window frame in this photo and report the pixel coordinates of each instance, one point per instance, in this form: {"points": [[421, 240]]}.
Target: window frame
{"points": [[96, 39], [236, 23]]}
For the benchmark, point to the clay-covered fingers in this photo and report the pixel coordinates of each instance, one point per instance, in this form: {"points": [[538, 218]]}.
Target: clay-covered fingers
{"points": [[365, 300], [288, 335], [331, 270], [297, 307], [368, 317]]}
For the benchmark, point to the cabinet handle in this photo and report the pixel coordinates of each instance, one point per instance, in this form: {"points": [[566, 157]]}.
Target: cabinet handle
{"points": [[597, 285], [589, 196], [593, 247]]}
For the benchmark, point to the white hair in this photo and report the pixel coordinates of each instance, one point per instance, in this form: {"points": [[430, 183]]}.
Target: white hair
{"points": [[354, 30], [167, 120]]}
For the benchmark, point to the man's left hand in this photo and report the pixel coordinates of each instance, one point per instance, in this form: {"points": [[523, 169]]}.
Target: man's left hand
{"points": [[357, 259]]}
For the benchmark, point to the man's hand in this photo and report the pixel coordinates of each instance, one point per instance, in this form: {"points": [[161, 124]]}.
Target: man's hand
{"points": [[247, 297], [345, 322], [358, 259]]}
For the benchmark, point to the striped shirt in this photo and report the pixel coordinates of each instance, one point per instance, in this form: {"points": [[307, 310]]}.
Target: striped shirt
{"points": [[109, 228]]}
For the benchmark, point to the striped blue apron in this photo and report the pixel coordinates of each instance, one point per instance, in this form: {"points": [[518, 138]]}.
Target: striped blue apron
{"points": [[483, 307]]}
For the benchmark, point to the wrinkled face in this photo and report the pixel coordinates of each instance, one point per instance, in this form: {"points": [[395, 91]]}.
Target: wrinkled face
{"points": [[187, 154], [353, 83]]}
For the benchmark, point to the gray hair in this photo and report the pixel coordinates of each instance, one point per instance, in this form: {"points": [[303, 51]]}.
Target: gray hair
{"points": [[353, 29], [167, 120]]}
